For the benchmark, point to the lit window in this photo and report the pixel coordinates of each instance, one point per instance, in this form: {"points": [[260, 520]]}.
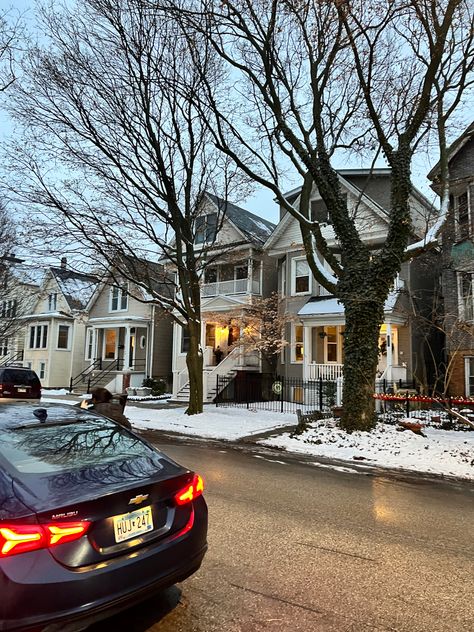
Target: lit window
{"points": [[63, 337], [38, 336], [298, 343]]}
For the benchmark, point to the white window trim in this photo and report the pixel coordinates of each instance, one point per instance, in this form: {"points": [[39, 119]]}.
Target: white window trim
{"points": [[119, 298], [42, 377], [117, 334], [293, 278], [338, 346], [293, 344], [42, 336], [68, 348], [470, 215], [52, 301], [89, 337], [467, 360], [461, 310]]}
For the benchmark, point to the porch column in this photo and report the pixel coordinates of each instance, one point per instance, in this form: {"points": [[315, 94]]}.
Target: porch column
{"points": [[389, 351], [307, 351], [95, 351], [249, 275], [126, 351]]}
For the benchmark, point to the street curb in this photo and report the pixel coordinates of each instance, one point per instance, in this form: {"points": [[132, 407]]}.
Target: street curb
{"points": [[250, 444]]}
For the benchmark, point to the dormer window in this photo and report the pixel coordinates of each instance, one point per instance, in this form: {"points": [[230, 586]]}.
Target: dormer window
{"points": [[119, 298], [206, 228], [52, 302]]}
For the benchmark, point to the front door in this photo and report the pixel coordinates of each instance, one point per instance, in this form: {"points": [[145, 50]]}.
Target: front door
{"points": [[110, 344]]}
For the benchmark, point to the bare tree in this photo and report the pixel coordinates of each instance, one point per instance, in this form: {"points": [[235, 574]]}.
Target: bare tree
{"points": [[314, 78], [116, 155]]}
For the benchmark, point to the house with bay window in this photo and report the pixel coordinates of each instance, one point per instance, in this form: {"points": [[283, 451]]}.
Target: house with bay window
{"points": [[235, 269], [315, 333], [457, 278], [54, 331]]}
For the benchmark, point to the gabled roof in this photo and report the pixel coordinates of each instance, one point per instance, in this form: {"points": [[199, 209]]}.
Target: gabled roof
{"points": [[255, 228], [454, 149], [76, 287]]}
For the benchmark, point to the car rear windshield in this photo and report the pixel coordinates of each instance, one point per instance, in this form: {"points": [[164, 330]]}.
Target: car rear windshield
{"points": [[43, 448], [17, 376]]}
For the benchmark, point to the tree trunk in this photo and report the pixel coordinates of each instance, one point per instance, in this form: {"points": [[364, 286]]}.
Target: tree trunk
{"points": [[194, 361], [361, 351]]}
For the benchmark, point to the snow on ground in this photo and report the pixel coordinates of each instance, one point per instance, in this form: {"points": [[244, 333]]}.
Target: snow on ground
{"points": [[216, 423], [55, 391], [445, 452]]}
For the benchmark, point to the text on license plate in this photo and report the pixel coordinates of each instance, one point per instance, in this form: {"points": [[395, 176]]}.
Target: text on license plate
{"points": [[132, 524]]}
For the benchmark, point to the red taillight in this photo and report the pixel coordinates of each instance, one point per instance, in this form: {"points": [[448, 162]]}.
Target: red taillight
{"points": [[190, 492], [15, 538]]}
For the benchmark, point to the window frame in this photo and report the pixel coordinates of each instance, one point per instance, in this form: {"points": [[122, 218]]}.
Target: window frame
{"points": [[468, 359], [43, 332], [118, 293], [52, 301], [294, 263], [465, 230], [4, 346], [68, 339], [183, 337], [295, 343], [464, 315], [205, 232]]}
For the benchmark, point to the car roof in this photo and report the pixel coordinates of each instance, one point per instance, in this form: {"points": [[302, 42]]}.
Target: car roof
{"points": [[21, 413]]}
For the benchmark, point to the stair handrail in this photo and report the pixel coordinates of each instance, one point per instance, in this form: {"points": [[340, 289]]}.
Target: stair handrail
{"points": [[94, 379], [16, 357], [97, 364]]}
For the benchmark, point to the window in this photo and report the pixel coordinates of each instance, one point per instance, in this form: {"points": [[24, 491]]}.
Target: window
{"points": [[331, 347], [63, 337], [119, 298], [283, 279], [301, 277], [89, 344], [3, 346], [184, 340], [8, 308], [466, 299], [38, 336], [52, 302], [463, 216], [298, 343], [110, 344], [319, 212], [469, 371], [42, 370], [206, 228], [210, 275], [241, 272]]}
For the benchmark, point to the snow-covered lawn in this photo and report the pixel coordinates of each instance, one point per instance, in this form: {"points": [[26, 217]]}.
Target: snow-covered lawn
{"points": [[216, 423], [445, 452]]}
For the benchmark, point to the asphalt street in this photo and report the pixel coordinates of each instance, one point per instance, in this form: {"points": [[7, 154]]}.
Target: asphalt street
{"points": [[298, 547]]}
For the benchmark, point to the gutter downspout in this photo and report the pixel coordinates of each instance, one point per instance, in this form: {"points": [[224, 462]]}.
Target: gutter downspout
{"points": [[149, 364]]}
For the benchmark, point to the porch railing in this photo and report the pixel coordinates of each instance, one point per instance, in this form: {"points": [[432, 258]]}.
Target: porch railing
{"points": [[84, 376], [235, 286], [325, 371]]}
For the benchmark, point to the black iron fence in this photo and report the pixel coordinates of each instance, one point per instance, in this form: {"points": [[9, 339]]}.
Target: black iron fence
{"points": [[446, 412], [280, 394]]}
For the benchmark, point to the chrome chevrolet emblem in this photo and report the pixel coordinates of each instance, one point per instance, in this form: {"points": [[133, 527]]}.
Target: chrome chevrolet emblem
{"points": [[138, 499]]}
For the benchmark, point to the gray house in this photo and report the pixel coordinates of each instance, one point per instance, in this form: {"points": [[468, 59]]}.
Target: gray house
{"points": [[458, 265], [315, 335]]}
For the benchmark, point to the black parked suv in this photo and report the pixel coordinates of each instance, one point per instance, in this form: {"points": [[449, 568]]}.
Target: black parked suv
{"points": [[19, 383]]}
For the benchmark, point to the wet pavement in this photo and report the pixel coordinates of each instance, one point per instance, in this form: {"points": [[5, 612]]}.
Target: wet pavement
{"points": [[299, 547]]}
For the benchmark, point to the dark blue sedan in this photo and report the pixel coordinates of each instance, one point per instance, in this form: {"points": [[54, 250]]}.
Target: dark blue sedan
{"points": [[92, 518]]}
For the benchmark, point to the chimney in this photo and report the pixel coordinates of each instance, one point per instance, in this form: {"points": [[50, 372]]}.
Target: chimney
{"points": [[63, 263]]}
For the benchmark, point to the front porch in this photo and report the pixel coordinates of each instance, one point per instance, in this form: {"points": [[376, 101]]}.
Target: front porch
{"points": [[117, 354], [320, 348]]}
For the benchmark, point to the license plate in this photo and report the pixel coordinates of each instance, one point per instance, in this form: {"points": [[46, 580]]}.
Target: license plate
{"points": [[133, 524], [21, 390]]}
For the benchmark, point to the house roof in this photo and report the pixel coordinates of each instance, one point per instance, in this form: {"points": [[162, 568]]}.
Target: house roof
{"points": [[76, 287], [454, 148], [255, 228]]}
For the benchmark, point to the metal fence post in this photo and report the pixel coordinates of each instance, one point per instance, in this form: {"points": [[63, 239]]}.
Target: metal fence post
{"points": [[217, 390], [320, 394], [407, 405], [281, 395]]}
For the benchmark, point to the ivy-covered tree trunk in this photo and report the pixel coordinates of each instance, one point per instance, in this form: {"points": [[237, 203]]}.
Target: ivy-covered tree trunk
{"points": [[194, 361], [361, 337]]}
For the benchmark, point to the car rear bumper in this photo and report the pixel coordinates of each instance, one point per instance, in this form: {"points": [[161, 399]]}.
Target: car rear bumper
{"points": [[46, 596]]}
